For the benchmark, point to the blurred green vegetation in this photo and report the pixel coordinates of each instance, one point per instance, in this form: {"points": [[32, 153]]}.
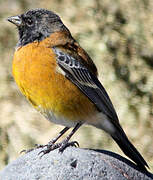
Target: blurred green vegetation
{"points": [[118, 35]]}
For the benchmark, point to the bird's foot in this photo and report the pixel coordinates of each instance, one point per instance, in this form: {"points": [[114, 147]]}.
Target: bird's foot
{"points": [[62, 146], [53, 145]]}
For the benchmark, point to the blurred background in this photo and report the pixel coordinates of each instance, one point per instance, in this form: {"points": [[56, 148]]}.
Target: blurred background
{"points": [[118, 35]]}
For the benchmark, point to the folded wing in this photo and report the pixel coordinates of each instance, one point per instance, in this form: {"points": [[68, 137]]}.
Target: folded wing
{"points": [[88, 83]]}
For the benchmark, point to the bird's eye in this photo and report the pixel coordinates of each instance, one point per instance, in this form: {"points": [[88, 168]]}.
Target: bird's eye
{"points": [[29, 22]]}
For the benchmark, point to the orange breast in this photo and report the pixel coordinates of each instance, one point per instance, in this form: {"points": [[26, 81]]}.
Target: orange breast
{"points": [[35, 72]]}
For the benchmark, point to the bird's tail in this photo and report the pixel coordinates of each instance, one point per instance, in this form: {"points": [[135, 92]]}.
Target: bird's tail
{"points": [[129, 150]]}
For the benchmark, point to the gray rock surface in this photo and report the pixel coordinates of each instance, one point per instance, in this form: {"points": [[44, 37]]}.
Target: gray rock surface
{"points": [[72, 164]]}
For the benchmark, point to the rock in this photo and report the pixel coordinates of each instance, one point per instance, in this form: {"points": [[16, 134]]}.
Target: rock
{"points": [[73, 164]]}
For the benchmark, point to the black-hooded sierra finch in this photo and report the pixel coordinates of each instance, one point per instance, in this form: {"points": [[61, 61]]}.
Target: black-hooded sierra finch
{"points": [[60, 80]]}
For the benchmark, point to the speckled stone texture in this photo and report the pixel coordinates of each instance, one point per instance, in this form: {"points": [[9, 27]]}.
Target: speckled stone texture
{"points": [[72, 164]]}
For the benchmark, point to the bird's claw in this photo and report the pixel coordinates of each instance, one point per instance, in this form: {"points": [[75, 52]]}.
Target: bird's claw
{"points": [[62, 146]]}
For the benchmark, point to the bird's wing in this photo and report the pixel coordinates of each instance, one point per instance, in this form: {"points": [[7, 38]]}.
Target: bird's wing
{"points": [[88, 83]]}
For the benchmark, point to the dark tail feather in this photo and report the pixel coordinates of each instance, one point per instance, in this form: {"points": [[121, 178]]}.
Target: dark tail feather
{"points": [[129, 150]]}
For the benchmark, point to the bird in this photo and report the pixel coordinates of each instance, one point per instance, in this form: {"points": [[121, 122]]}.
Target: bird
{"points": [[60, 80]]}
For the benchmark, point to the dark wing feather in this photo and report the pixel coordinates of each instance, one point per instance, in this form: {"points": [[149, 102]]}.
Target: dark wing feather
{"points": [[86, 82]]}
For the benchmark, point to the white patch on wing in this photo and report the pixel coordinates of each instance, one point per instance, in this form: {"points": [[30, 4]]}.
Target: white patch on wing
{"points": [[79, 72], [60, 70], [88, 84]]}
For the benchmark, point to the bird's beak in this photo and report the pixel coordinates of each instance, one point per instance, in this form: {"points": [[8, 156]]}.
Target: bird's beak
{"points": [[15, 20]]}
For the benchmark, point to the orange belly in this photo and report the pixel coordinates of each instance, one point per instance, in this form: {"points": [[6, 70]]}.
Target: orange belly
{"points": [[49, 91]]}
